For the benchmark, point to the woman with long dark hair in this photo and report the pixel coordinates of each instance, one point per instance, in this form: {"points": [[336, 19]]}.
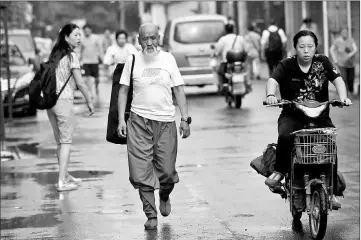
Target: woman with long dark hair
{"points": [[61, 116]]}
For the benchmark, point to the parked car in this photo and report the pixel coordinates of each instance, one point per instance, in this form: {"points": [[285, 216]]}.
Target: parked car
{"points": [[25, 41], [189, 39], [21, 74]]}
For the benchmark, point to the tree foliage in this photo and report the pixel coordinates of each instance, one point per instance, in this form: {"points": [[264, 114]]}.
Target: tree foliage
{"points": [[100, 14]]}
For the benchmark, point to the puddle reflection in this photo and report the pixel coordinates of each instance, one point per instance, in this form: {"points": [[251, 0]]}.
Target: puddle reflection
{"points": [[166, 232], [34, 221], [9, 196], [31, 150], [46, 178], [151, 234]]}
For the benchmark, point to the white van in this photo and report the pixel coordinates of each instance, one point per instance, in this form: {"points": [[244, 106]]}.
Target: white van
{"points": [[189, 39]]}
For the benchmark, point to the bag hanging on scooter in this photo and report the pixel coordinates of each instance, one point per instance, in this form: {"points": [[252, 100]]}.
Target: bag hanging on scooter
{"points": [[264, 164], [340, 185]]}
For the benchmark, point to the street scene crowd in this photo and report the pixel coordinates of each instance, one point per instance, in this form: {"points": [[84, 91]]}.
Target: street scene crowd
{"points": [[135, 91]]}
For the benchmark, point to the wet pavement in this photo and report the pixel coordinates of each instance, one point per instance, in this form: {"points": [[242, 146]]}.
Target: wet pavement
{"points": [[219, 195]]}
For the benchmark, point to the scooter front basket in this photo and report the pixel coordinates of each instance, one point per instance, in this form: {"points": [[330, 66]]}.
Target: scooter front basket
{"points": [[315, 146]]}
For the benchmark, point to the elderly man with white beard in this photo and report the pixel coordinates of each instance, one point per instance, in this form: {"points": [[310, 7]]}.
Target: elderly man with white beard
{"points": [[151, 129]]}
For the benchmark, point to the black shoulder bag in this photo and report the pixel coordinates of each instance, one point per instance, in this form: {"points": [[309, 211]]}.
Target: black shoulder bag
{"points": [[113, 120]]}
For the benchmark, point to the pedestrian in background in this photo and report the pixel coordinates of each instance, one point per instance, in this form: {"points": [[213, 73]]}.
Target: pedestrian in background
{"points": [[253, 40], [119, 51], [256, 28], [61, 116], [226, 43], [107, 40], [273, 43], [343, 51], [151, 128], [309, 25], [91, 55]]}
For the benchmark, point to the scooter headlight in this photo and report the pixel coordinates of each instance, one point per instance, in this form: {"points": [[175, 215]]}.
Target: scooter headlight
{"points": [[312, 112]]}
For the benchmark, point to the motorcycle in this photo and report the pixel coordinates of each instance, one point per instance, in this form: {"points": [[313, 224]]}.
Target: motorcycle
{"points": [[309, 184], [236, 86]]}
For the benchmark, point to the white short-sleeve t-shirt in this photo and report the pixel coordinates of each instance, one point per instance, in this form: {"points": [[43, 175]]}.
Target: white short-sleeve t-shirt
{"points": [[152, 83]]}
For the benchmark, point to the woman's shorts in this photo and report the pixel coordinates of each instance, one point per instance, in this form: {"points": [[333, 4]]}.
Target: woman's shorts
{"points": [[62, 120]]}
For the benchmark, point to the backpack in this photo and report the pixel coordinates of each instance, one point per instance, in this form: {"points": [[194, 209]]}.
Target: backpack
{"points": [[274, 41], [42, 89]]}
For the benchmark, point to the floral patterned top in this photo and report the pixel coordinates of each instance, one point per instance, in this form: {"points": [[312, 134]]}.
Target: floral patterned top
{"points": [[62, 72], [297, 85]]}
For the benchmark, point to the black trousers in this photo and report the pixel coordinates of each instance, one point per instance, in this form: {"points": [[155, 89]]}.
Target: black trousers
{"points": [[288, 123], [273, 58], [348, 75]]}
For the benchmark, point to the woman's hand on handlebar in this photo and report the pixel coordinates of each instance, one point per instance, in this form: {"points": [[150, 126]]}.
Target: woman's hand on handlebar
{"points": [[346, 101], [271, 100]]}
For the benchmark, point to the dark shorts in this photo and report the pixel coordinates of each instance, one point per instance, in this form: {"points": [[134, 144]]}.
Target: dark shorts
{"points": [[91, 70]]}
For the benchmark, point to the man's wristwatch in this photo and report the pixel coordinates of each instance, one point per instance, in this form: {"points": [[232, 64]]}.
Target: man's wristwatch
{"points": [[187, 120]]}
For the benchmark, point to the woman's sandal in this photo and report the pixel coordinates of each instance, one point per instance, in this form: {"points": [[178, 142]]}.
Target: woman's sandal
{"points": [[70, 178], [67, 187]]}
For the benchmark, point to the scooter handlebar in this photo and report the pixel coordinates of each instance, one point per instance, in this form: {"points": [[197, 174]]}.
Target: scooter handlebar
{"points": [[334, 103], [279, 103], [337, 103]]}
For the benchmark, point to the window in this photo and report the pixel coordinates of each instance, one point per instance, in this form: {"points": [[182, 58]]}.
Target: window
{"points": [[199, 31], [24, 42]]}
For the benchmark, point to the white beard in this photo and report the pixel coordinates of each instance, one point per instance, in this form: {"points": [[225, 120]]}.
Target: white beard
{"points": [[150, 56]]}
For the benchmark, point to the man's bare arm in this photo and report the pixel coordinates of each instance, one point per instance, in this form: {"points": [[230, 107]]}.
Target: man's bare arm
{"points": [[181, 100]]}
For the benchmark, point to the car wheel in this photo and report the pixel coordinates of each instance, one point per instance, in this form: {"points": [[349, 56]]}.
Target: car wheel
{"points": [[31, 111]]}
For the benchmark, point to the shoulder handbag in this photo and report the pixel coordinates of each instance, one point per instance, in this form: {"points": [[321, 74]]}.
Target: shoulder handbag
{"points": [[113, 120], [234, 42]]}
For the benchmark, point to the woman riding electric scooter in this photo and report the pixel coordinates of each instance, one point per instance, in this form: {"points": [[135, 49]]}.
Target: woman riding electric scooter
{"points": [[300, 77]]}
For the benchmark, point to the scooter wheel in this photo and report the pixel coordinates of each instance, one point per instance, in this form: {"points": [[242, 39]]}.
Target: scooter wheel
{"points": [[318, 212]]}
